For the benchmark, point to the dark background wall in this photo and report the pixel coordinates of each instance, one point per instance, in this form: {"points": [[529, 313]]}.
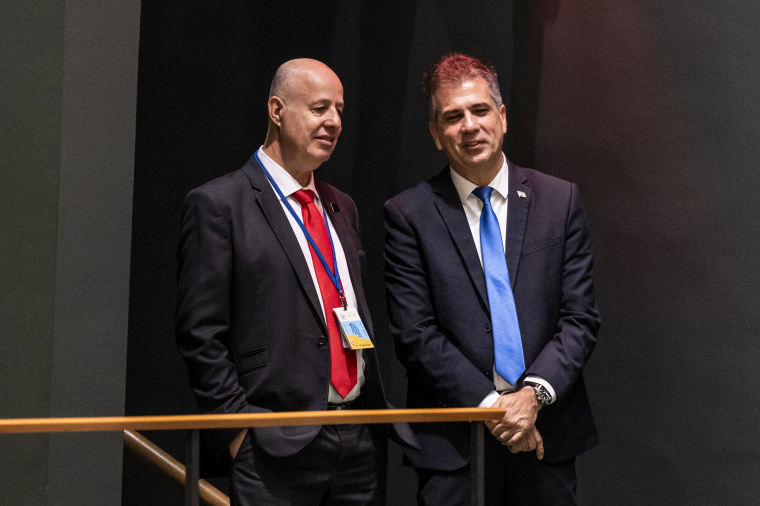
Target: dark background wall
{"points": [[651, 107]]}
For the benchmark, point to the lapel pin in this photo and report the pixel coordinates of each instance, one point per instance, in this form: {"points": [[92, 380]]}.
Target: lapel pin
{"points": [[521, 194], [335, 208]]}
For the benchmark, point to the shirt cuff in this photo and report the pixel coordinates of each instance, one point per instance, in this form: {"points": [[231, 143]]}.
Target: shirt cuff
{"points": [[538, 380], [489, 400]]}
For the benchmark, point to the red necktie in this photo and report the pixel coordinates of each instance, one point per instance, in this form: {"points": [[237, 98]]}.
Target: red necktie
{"points": [[343, 362]]}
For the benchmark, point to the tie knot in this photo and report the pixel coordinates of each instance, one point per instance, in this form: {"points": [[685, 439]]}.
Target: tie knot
{"points": [[304, 197], [483, 193]]}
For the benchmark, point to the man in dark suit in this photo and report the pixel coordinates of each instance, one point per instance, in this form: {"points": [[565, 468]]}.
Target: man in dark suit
{"points": [[474, 330], [266, 255]]}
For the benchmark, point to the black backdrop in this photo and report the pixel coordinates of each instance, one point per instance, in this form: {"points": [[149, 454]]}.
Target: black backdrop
{"points": [[646, 105]]}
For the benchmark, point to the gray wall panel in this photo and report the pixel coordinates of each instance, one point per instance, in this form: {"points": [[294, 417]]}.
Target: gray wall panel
{"points": [[94, 233], [68, 78], [31, 52]]}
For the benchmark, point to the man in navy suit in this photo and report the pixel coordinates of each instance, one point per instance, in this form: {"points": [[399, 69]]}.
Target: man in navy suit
{"points": [[266, 255], [440, 299]]}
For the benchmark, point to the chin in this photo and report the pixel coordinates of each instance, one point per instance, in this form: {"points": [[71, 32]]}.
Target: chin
{"points": [[321, 155], [474, 161], [322, 158], [481, 159]]}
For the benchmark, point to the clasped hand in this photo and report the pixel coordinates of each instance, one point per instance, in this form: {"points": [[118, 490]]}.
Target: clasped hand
{"points": [[517, 429]]}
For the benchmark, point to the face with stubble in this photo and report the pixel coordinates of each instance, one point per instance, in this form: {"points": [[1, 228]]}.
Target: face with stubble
{"points": [[469, 127]]}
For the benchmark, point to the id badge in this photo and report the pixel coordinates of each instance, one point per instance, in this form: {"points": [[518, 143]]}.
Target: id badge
{"points": [[352, 332]]}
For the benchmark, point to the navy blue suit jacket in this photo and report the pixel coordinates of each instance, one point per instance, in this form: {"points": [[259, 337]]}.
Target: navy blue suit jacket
{"points": [[249, 323], [440, 317]]}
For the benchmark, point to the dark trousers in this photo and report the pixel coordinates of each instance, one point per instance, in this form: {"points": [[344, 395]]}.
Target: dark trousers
{"points": [[510, 480], [336, 468]]}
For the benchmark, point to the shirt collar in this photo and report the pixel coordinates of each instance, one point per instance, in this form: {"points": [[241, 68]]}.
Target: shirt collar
{"points": [[288, 185], [500, 183]]}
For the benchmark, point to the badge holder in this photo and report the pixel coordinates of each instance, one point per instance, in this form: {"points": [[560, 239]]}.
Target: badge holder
{"points": [[353, 334]]}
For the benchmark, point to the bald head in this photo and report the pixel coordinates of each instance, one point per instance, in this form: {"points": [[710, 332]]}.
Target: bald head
{"points": [[291, 72], [305, 105]]}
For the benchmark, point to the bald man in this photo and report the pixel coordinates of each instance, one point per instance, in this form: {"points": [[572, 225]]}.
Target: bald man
{"points": [[269, 262]]}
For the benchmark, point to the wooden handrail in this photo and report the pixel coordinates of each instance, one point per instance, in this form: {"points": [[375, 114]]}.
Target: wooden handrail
{"points": [[192, 423], [149, 452], [229, 421]]}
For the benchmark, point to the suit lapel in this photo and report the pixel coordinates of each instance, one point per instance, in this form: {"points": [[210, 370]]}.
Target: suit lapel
{"points": [[517, 218], [452, 212], [270, 206], [343, 229]]}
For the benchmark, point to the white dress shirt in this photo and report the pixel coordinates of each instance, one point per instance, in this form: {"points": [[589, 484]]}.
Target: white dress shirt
{"points": [[473, 207], [288, 186]]}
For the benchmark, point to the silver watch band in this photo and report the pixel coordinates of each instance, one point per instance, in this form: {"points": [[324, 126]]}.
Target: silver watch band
{"points": [[542, 394]]}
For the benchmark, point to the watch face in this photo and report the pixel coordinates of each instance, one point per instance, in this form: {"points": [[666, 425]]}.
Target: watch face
{"points": [[542, 394]]}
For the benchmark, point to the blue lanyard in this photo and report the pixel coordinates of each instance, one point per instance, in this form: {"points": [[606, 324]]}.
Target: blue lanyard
{"points": [[332, 274]]}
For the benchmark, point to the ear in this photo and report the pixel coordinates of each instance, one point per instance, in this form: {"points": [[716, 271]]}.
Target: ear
{"points": [[434, 132], [275, 106], [503, 114]]}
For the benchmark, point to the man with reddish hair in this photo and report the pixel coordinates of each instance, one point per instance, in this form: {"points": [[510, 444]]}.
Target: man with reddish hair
{"points": [[491, 300]]}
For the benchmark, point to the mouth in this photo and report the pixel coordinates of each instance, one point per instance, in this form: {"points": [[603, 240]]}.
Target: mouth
{"points": [[473, 144], [326, 140]]}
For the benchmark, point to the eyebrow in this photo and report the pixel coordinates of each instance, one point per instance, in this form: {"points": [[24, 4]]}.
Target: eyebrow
{"points": [[323, 101], [473, 106], [481, 104]]}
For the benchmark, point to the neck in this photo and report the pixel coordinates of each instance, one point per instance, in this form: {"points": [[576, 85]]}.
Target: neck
{"points": [[291, 165]]}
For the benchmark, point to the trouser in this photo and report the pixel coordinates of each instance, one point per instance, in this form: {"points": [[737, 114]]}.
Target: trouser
{"points": [[336, 468], [510, 480]]}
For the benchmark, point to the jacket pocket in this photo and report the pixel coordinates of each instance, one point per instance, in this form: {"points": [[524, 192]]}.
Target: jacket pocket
{"points": [[252, 360], [545, 242]]}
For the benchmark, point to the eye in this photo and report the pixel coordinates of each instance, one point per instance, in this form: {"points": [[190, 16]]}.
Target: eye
{"points": [[452, 118]]}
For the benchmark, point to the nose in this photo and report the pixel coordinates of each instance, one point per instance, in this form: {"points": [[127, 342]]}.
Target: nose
{"points": [[469, 122], [332, 119]]}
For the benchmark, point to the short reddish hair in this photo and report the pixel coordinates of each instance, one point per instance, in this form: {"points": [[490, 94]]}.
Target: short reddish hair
{"points": [[456, 68]]}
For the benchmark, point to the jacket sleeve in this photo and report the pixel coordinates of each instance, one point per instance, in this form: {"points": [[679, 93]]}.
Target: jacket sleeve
{"points": [[563, 358], [204, 282]]}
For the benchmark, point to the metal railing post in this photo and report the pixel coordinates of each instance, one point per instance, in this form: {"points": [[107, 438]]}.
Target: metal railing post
{"points": [[192, 467], [477, 464]]}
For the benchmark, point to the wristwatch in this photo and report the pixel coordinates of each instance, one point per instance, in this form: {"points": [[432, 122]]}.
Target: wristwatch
{"points": [[542, 394]]}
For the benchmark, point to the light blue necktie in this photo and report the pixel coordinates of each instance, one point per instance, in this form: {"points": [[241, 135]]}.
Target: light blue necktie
{"points": [[507, 344]]}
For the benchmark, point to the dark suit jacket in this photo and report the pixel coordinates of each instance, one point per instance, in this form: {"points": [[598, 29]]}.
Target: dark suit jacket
{"points": [[440, 317], [249, 323]]}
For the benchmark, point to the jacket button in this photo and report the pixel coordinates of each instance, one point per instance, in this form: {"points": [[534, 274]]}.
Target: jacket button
{"points": [[321, 341], [487, 328]]}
